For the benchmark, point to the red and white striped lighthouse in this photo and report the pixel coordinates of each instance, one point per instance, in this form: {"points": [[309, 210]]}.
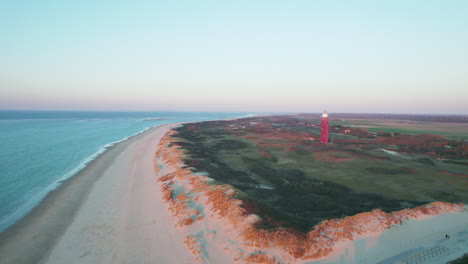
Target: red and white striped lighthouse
{"points": [[324, 128]]}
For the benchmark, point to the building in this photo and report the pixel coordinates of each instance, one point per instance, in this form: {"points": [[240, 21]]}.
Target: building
{"points": [[324, 128]]}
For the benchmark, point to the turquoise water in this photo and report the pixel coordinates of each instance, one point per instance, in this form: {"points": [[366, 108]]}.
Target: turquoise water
{"points": [[40, 149]]}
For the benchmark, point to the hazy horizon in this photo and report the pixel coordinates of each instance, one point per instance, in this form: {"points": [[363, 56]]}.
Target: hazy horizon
{"points": [[262, 56], [319, 113]]}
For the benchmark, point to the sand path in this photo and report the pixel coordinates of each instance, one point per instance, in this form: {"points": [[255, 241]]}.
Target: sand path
{"points": [[413, 242]]}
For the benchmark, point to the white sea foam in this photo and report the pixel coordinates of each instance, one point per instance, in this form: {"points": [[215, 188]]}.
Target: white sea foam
{"points": [[38, 196], [40, 150]]}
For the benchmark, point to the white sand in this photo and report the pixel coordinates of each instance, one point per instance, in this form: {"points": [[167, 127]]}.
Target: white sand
{"points": [[112, 212], [124, 219], [414, 241]]}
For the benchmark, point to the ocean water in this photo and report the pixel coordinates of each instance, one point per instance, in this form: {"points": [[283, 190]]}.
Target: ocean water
{"points": [[40, 149]]}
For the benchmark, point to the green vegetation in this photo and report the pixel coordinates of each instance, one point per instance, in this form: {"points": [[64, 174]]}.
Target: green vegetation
{"points": [[461, 260], [449, 130], [288, 178]]}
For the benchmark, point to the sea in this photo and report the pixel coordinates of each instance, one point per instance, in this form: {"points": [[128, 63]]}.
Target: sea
{"points": [[41, 149]]}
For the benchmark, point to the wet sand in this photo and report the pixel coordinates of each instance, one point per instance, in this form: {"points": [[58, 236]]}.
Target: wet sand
{"points": [[113, 212], [110, 212]]}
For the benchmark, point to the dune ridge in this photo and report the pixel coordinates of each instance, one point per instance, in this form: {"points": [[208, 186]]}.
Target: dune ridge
{"points": [[192, 198]]}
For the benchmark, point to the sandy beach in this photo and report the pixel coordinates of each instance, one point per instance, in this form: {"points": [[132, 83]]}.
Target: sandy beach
{"points": [[110, 212], [116, 211]]}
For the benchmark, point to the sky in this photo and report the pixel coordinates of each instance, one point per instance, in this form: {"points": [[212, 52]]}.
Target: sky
{"points": [[393, 56]]}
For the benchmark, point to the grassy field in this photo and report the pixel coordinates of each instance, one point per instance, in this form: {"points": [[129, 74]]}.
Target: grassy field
{"points": [[289, 179], [449, 130]]}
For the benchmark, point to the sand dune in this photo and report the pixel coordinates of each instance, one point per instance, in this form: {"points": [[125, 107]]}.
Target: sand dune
{"points": [[117, 210], [211, 216]]}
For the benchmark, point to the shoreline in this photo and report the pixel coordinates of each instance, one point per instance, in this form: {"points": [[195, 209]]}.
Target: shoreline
{"points": [[33, 238], [30, 202], [35, 200], [118, 209]]}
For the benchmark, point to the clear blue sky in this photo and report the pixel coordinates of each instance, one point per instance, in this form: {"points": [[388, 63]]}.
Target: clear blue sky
{"points": [[298, 56]]}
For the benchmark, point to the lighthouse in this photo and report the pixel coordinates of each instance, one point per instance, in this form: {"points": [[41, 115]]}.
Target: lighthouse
{"points": [[324, 128]]}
